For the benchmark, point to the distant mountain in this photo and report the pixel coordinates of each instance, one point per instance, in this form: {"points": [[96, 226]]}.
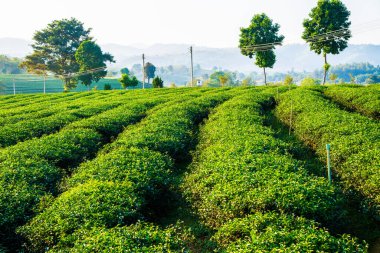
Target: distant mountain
{"points": [[294, 56]]}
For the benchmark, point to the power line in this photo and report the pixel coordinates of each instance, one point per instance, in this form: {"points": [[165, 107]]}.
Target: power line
{"points": [[322, 37], [344, 32], [262, 47], [332, 34]]}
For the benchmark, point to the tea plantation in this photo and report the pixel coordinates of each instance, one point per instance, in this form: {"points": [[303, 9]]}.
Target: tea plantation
{"points": [[190, 170]]}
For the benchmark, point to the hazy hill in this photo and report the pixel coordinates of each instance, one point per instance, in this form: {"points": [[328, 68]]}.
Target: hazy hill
{"points": [[14, 47], [293, 56]]}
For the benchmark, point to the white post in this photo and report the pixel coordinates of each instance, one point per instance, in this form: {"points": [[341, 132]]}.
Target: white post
{"points": [[329, 174]]}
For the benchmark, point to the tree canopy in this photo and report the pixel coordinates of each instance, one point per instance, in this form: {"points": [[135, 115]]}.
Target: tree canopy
{"points": [[89, 56], [150, 71], [261, 31], [127, 81], [54, 49], [125, 71], [326, 29]]}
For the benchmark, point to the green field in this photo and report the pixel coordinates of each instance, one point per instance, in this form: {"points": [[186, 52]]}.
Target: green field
{"points": [[190, 170], [26, 84]]}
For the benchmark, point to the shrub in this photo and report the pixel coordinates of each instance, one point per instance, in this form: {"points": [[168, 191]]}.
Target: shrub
{"points": [[157, 82], [141, 237], [309, 81], [288, 80], [89, 205], [107, 86], [361, 99], [241, 168], [144, 167], [273, 232], [354, 139]]}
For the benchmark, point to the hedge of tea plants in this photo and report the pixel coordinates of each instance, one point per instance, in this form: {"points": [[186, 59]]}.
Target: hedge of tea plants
{"points": [[362, 99], [31, 170], [125, 182], [273, 232], [354, 139], [241, 169], [137, 238]]}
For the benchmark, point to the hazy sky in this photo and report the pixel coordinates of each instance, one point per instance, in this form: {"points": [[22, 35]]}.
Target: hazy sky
{"points": [[213, 23]]}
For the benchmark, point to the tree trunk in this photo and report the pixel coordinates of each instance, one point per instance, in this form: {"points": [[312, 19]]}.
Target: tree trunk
{"points": [[265, 77], [66, 85], [325, 68]]}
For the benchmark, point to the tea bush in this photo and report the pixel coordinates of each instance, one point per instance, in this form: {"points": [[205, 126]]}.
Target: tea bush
{"points": [[354, 139], [272, 232], [361, 99]]}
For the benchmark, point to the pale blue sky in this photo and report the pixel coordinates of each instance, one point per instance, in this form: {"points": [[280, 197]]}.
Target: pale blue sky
{"points": [[213, 23]]}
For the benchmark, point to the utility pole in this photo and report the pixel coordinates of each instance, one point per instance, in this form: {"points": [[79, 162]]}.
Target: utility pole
{"points": [[44, 84], [143, 70], [192, 67]]}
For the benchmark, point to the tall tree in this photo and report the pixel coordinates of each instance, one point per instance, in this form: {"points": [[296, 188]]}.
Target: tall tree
{"points": [[261, 31], [90, 57], [331, 17], [54, 50], [150, 71]]}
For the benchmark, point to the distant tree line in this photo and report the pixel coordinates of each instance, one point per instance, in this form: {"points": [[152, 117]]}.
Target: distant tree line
{"points": [[364, 73], [10, 65]]}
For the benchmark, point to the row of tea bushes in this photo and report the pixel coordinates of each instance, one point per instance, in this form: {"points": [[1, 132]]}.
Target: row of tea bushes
{"points": [[137, 238], [362, 99], [34, 104], [44, 109], [241, 169], [26, 99], [27, 129], [32, 169], [354, 139], [126, 182], [62, 115], [273, 232], [51, 107]]}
